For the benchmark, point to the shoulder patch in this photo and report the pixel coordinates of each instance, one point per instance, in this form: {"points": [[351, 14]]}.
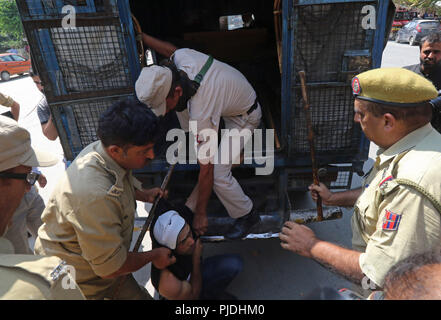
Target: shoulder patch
{"points": [[385, 180], [391, 221], [115, 191]]}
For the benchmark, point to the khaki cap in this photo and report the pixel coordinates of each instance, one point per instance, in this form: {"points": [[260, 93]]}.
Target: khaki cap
{"points": [[16, 150], [153, 86], [393, 86]]}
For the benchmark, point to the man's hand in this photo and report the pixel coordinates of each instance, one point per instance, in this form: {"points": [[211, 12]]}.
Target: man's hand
{"points": [[321, 190], [163, 258], [298, 239], [42, 181], [200, 223], [149, 195]]}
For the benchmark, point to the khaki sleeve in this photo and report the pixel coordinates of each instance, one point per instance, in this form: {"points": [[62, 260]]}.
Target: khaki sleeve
{"points": [[137, 184], [98, 225], [407, 224], [6, 100]]}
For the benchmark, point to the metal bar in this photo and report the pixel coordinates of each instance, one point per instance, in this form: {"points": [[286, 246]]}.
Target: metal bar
{"points": [[80, 22], [80, 97]]}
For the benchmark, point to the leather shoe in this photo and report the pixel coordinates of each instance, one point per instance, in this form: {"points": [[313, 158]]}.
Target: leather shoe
{"points": [[243, 225]]}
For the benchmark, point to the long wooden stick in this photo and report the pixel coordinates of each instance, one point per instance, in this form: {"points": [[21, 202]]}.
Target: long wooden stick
{"points": [[306, 107]]}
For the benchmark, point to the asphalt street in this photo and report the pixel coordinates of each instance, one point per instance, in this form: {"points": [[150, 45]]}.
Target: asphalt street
{"points": [[270, 272]]}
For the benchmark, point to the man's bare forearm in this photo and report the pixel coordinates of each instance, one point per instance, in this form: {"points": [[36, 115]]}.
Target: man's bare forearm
{"points": [[196, 280], [134, 262], [339, 260], [162, 47], [49, 129], [205, 181], [345, 198]]}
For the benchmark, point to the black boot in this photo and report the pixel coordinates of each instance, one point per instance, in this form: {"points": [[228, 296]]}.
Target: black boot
{"points": [[243, 225]]}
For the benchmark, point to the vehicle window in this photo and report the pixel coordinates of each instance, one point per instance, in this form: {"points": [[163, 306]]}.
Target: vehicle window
{"points": [[6, 58], [18, 58], [429, 25]]}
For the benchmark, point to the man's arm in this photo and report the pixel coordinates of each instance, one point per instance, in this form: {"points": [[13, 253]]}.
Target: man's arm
{"points": [[302, 240], [164, 48], [173, 289], [205, 181], [10, 103], [342, 199], [160, 257], [49, 129]]}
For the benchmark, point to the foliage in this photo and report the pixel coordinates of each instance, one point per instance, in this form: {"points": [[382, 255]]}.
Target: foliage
{"points": [[429, 5], [11, 28]]}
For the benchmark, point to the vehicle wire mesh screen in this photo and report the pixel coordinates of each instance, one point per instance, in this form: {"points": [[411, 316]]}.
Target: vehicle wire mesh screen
{"points": [[325, 36], [332, 121], [91, 58], [80, 121]]}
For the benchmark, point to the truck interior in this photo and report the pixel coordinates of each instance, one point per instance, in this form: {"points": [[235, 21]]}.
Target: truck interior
{"points": [[247, 35]]}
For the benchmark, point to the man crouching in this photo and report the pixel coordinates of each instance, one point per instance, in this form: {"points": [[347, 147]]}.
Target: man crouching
{"points": [[190, 278]]}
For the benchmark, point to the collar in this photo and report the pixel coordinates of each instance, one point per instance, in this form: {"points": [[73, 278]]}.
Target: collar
{"points": [[404, 144], [110, 165]]}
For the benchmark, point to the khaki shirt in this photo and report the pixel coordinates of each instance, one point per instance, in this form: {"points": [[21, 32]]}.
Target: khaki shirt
{"points": [[6, 100], [392, 222], [29, 277], [89, 219]]}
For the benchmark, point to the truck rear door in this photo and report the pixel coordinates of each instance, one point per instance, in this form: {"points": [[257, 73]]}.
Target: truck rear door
{"points": [[332, 41], [85, 54]]}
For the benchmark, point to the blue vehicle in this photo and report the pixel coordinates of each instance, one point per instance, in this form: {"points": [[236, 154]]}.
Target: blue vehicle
{"points": [[88, 66]]}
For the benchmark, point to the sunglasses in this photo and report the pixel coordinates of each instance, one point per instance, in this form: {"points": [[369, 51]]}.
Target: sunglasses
{"points": [[30, 177]]}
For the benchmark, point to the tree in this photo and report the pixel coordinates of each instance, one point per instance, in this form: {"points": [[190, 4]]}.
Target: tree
{"points": [[10, 23]]}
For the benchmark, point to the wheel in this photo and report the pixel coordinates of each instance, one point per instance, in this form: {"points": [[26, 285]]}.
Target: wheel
{"points": [[412, 41], [6, 76]]}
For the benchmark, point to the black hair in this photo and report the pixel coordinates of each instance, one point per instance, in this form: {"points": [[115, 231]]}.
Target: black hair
{"points": [[413, 116], [433, 37], [405, 280], [127, 122]]}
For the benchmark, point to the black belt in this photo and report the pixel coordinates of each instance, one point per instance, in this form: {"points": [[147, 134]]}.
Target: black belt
{"points": [[253, 107]]}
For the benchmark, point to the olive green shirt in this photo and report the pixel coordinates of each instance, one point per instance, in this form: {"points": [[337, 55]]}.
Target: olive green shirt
{"points": [[89, 219], [29, 277], [391, 221]]}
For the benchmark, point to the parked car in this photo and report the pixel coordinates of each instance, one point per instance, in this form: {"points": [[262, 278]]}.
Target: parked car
{"points": [[415, 30], [12, 63]]}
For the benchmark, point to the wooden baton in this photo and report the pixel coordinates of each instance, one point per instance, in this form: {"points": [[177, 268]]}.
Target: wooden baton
{"points": [[306, 107]]}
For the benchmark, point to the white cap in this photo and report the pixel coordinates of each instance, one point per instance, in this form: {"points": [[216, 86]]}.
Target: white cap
{"points": [[152, 87], [16, 150], [167, 229]]}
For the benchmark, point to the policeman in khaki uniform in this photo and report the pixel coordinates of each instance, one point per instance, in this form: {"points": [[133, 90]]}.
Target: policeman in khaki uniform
{"points": [[26, 277], [397, 210], [89, 218]]}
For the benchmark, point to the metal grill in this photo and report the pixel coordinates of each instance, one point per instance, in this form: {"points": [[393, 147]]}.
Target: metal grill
{"points": [[331, 46], [323, 34], [90, 58], [332, 120], [80, 122]]}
